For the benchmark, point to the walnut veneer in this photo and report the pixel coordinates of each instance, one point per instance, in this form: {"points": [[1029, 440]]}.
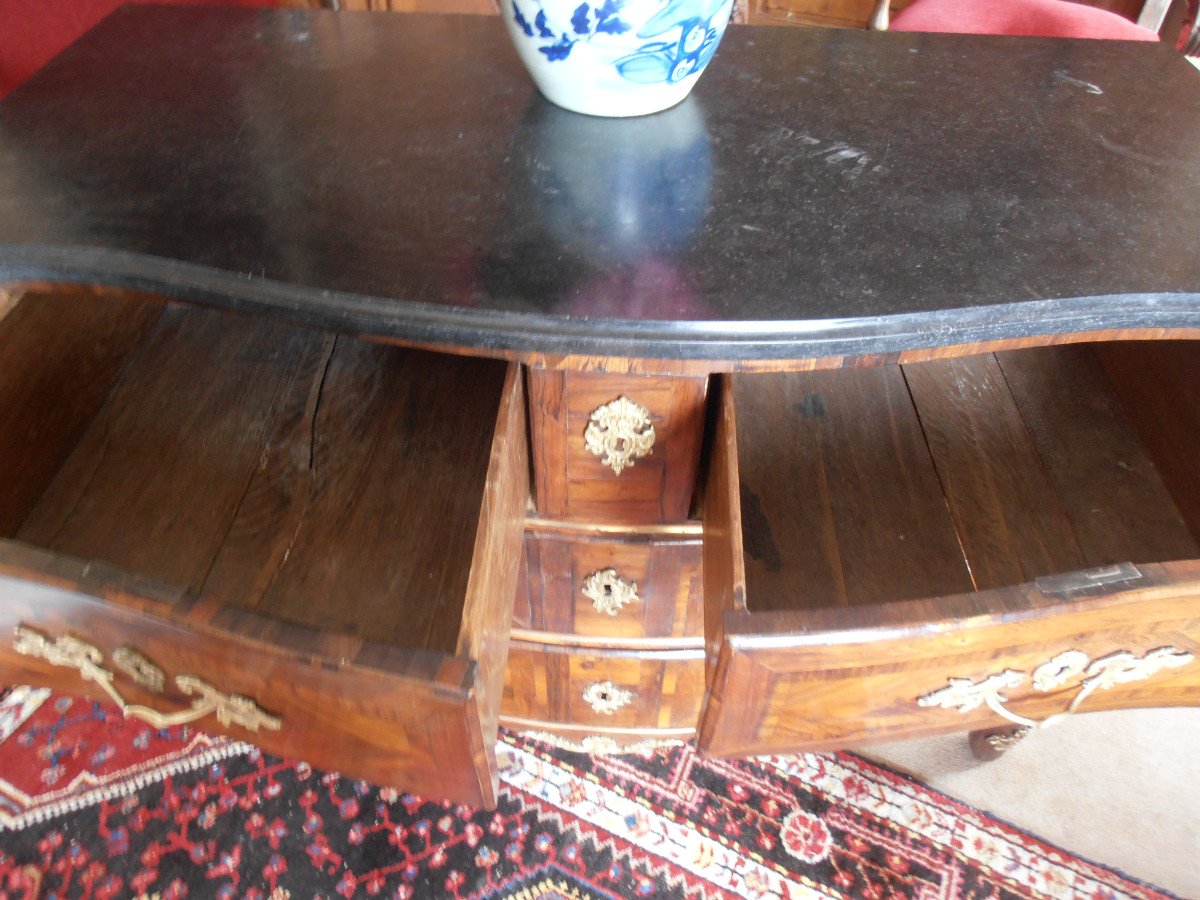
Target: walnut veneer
{"points": [[320, 524], [767, 422], [920, 534]]}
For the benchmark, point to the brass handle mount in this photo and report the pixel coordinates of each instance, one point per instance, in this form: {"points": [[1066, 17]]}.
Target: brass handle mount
{"points": [[602, 744], [1122, 667], [73, 653]]}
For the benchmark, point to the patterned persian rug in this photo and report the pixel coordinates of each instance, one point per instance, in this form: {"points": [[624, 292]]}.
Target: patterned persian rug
{"points": [[94, 805]]}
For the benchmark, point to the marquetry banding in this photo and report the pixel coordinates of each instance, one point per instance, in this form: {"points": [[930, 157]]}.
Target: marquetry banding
{"points": [[694, 644], [601, 744]]}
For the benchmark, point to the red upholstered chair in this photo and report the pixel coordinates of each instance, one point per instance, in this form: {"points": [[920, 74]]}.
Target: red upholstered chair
{"points": [[32, 32], [1035, 18]]}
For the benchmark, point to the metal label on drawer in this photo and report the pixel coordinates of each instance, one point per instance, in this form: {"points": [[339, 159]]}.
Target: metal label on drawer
{"points": [[1088, 581]]}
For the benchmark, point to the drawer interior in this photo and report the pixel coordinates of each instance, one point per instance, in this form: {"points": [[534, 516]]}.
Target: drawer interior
{"points": [[906, 550], [867, 486], [327, 528], [305, 477]]}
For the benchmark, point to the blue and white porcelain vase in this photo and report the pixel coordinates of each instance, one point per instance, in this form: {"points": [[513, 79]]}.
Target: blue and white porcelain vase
{"points": [[616, 57]]}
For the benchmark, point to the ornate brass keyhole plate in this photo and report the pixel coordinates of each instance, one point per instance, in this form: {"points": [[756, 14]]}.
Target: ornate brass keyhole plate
{"points": [[609, 592], [606, 698], [620, 433]]}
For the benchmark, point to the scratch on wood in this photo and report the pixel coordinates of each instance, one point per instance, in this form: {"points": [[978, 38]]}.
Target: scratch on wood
{"points": [[311, 411], [1079, 82]]}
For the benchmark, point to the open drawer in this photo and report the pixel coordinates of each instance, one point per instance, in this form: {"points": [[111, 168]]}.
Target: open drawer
{"points": [[903, 550], [303, 540]]}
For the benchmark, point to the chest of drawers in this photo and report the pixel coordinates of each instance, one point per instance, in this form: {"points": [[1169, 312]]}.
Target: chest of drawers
{"points": [[610, 652], [767, 422]]}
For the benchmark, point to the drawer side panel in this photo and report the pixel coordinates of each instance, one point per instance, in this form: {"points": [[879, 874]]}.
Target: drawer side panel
{"points": [[415, 732]]}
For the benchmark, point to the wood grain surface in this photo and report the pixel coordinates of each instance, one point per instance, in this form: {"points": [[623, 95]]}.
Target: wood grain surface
{"points": [[1159, 386], [573, 483], [42, 413], [350, 512], [547, 683], [1026, 462], [156, 481], [803, 681], [496, 567], [414, 722], [1009, 522], [666, 573], [840, 500], [1104, 477]]}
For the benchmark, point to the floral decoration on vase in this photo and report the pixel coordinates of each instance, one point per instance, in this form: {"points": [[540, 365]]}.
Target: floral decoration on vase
{"points": [[616, 57]]}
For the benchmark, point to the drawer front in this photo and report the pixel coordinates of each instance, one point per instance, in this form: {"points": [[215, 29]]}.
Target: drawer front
{"points": [[419, 729], [617, 449], [797, 677], [570, 686], [785, 682], [620, 589], [600, 741], [342, 523]]}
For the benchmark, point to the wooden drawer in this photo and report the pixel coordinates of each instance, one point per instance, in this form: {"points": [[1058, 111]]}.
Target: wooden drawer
{"points": [[574, 686], [600, 741], [337, 524], [613, 448], [613, 591], [902, 551]]}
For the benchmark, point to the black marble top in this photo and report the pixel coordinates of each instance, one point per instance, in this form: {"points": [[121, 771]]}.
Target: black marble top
{"points": [[822, 192]]}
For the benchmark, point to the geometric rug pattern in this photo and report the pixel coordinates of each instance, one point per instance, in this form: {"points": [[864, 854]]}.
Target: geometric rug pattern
{"points": [[99, 806]]}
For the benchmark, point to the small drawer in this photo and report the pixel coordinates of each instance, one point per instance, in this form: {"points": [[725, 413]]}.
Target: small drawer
{"points": [[300, 539], [600, 741], [947, 546], [571, 686], [612, 448], [633, 588]]}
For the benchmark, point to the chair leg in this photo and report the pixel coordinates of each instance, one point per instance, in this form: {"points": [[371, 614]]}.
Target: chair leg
{"points": [[1189, 36], [988, 744], [880, 18], [1152, 14]]}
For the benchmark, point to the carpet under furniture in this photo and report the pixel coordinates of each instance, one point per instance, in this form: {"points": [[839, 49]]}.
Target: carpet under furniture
{"points": [[96, 805]]}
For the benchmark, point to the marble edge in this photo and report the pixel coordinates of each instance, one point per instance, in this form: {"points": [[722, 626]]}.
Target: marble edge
{"points": [[490, 332]]}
